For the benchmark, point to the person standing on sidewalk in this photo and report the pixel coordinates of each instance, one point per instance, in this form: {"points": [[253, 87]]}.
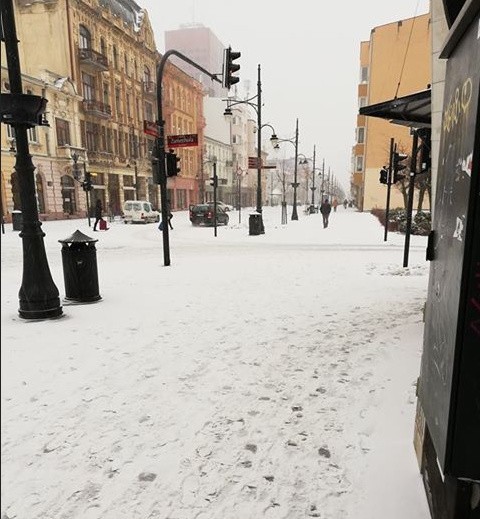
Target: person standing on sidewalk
{"points": [[325, 209], [98, 213]]}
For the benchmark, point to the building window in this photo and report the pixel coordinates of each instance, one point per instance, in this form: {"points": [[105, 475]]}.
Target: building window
{"points": [[103, 47], [359, 163], [106, 94], [362, 101], [360, 135], [126, 63], [85, 38], [63, 132], [117, 102], [115, 57], [147, 77], [364, 75], [88, 87], [32, 134], [149, 112], [40, 193]]}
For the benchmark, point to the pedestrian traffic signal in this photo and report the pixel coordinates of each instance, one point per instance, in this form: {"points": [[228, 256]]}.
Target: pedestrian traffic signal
{"points": [[214, 181], [384, 176], [173, 169], [229, 68]]}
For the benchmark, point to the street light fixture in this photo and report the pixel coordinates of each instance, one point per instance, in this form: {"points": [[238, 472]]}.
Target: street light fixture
{"points": [[86, 183], [276, 144]]}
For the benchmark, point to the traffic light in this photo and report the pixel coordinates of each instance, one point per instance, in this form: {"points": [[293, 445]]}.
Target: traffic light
{"points": [[384, 176], [398, 158], [173, 169], [214, 181], [87, 183], [229, 68]]}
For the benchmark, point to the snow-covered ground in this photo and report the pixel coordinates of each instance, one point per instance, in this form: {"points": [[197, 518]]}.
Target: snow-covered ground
{"points": [[266, 376]]}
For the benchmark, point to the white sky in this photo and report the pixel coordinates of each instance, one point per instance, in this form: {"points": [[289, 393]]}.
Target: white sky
{"points": [[309, 54], [266, 376]]}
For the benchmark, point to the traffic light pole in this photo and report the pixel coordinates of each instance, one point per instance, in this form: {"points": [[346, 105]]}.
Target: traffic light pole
{"points": [[389, 187], [215, 184], [158, 156], [411, 187]]}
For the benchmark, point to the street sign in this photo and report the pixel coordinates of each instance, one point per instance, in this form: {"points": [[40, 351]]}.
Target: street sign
{"points": [[182, 141], [252, 162], [150, 128]]}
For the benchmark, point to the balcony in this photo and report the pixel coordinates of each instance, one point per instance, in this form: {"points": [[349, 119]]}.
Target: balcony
{"points": [[149, 88], [93, 59], [97, 109]]}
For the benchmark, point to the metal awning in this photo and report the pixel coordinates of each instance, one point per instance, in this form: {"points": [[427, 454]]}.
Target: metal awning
{"points": [[413, 110]]}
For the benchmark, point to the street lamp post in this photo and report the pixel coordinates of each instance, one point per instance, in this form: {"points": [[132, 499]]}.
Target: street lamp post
{"points": [[257, 106], [38, 295], [294, 184], [313, 188], [84, 184]]}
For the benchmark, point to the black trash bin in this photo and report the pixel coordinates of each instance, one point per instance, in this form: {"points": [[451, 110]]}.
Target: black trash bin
{"points": [[79, 258], [17, 220], [255, 224]]}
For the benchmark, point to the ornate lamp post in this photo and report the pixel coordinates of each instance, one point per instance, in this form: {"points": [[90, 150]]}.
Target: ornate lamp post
{"points": [[313, 188], [38, 295], [276, 142], [257, 106]]}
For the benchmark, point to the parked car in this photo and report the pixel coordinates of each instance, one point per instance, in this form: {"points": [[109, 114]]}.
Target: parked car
{"points": [[139, 211], [224, 206], [202, 214]]}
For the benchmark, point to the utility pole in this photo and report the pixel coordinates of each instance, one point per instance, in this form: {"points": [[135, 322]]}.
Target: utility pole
{"points": [[313, 179], [389, 186], [295, 184]]}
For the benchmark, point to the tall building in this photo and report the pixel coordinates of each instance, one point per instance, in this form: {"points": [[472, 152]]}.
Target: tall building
{"points": [[395, 62], [202, 46], [96, 64]]}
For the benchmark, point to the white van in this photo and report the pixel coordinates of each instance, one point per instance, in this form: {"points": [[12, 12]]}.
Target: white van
{"points": [[139, 211]]}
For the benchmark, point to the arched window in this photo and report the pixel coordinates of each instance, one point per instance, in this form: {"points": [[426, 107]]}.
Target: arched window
{"points": [[68, 194], [85, 41], [40, 193], [147, 76]]}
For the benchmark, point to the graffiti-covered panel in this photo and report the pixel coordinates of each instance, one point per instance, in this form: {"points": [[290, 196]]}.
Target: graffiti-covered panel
{"points": [[454, 217]]}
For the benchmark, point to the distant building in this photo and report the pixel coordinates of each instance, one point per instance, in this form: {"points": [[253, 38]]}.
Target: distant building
{"points": [[202, 46], [396, 61]]}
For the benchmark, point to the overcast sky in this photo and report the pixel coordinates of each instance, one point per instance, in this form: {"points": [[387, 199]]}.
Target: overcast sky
{"points": [[309, 57]]}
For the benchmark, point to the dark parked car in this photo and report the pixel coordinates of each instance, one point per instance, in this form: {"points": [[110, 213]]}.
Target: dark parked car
{"points": [[202, 214]]}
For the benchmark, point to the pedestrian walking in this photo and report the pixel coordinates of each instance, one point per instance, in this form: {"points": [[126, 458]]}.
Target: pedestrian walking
{"points": [[325, 209], [98, 213], [345, 203], [334, 204]]}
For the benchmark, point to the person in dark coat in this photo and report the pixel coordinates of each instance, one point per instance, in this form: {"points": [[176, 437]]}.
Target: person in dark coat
{"points": [[98, 213], [325, 209]]}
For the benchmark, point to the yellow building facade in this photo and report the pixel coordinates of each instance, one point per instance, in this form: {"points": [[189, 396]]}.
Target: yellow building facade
{"points": [[395, 62], [95, 61]]}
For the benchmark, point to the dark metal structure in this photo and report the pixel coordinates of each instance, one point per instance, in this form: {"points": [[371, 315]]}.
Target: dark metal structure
{"points": [[38, 295], [159, 155]]}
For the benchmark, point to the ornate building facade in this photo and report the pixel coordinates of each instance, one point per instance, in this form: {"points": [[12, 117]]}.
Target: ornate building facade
{"points": [[96, 64]]}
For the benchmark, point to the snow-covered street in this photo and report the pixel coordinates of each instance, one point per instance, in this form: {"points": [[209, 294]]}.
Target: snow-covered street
{"points": [[266, 376]]}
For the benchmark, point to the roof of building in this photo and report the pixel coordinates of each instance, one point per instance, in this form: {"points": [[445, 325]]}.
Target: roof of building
{"points": [[128, 10]]}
